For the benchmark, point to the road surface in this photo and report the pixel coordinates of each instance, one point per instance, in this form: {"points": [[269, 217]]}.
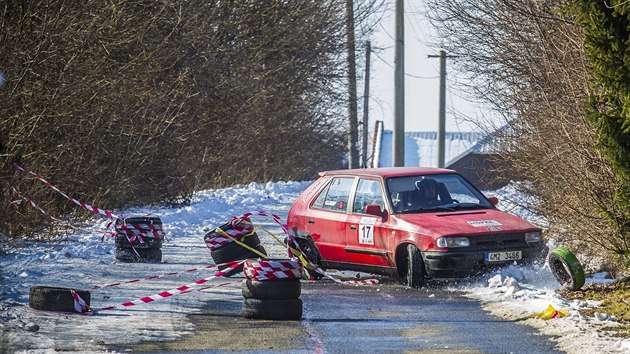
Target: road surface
{"points": [[360, 319]]}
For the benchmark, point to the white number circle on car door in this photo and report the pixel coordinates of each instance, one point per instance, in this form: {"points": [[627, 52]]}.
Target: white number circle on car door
{"points": [[366, 231]]}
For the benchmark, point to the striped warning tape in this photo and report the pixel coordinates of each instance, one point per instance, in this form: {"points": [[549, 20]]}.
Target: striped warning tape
{"points": [[75, 201], [79, 304], [294, 249], [132, 233], [371, 281], [272, 269], [143, 230], [219, 237], [154, 231], [161, 295], [98, 287]]}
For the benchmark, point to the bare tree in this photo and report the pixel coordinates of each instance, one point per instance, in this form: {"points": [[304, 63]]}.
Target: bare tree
{"points": [[525, 59], [124, 102]]}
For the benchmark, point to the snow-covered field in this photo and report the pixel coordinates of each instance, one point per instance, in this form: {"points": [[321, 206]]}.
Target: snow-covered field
{"points": [[84, 262]]}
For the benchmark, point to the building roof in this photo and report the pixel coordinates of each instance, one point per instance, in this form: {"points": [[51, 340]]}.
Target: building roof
{"points": [[421, 147], [389, 171]]}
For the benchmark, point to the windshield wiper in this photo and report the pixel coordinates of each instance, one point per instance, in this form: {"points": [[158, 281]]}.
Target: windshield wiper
{"points": [[467, 206], [427, 209], [447, 207]]}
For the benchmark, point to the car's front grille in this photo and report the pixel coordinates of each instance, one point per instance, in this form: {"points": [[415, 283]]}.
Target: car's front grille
{"points": [[498, 241]]}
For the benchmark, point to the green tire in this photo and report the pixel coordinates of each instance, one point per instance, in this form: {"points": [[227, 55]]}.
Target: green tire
{"points": [[566, 269]]}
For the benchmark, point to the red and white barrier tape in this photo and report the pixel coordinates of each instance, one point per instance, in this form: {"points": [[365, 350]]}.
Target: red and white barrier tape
{"points": [[98, 287], [184, 289], [216, 239], [60, 221], [371, 281], [79, 304], [262, 270], [75, 201], [140, 229], [132, 233], [296, 252]]}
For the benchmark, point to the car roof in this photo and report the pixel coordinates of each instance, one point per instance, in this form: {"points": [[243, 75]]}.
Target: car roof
{"points": [[386, 172]]}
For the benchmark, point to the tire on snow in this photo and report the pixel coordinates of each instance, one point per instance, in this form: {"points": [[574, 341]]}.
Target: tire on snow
{"points": [[566, 269], [290, 309], [54, 298], [149, 255], [270, 290]]}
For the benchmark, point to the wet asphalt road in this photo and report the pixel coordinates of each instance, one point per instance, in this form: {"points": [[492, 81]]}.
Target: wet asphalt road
{"points": [[387, 318], [396, 319]]}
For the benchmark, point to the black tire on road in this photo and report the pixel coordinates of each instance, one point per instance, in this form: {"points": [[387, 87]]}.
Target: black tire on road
{"points": [[414, 278], [55, 299], [154, 220], [149, 242], [149, 255], [566, 269], [272, 289], [234, 252], [272, 309]]}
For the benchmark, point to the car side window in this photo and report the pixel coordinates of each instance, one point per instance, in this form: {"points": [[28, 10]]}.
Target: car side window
{"points": [[335, 197], [319, 201], [368, 192]]}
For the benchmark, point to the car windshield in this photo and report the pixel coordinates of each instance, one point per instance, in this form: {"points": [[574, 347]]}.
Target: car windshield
{"points": [[431, 193]]}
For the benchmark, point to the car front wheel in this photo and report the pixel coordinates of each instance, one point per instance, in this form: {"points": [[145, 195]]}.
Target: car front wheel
{"points": [[415, 268]]}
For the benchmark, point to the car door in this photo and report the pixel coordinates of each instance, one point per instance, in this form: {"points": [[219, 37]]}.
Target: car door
{"points": [[326, 218], [366, 241]]}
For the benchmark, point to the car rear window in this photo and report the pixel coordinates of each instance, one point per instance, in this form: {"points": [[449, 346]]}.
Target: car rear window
{"points": [[336, 195]]}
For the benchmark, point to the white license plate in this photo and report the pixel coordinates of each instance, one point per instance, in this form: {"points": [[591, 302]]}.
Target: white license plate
{"points": [[502, 256]]}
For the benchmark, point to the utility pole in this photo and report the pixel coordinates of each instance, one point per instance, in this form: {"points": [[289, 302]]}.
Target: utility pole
{"points": [[366, 105], [442, 115], [398, 139], [352, 88]]}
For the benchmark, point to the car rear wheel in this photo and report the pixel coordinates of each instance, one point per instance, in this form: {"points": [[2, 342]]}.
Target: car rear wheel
{"points": [[312, 254], [414, 278]]}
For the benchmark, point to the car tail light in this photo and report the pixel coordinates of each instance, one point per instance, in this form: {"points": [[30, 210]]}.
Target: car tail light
{"points": [[449, 242]]}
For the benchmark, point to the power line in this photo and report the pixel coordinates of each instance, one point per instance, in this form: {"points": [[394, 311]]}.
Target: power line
{"points": [[406, 74]]}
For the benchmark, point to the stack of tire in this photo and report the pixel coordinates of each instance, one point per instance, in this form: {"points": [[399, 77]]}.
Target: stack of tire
{"points": [[224, 250], [139, 239], [272, 289]]}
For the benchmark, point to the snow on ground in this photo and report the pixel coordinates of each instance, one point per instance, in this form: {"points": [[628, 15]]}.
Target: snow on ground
{"points": [[83, 262]]}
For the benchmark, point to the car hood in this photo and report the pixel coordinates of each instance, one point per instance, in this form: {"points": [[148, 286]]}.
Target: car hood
{"points": [[464, 223]]}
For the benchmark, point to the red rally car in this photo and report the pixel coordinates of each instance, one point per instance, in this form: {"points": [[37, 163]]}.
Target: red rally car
{"points": [[410, 223]]}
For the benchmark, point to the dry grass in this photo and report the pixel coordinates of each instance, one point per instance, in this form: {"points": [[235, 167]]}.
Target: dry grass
{"points": [[615, 300]]}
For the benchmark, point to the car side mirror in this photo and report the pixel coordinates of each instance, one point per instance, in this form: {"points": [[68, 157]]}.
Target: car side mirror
{"points": [[493, 200], [375, 209]]}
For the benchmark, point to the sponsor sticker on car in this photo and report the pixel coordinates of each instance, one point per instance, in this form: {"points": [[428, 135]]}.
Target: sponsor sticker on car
{"points": [[484, 223]]}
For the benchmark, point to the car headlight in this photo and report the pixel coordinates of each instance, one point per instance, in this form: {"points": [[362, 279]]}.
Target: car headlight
{"points": [[446, 242], [533, 236]]}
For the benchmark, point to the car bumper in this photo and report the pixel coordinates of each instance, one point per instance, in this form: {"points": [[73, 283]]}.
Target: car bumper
{"points": [[457, 264]]}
